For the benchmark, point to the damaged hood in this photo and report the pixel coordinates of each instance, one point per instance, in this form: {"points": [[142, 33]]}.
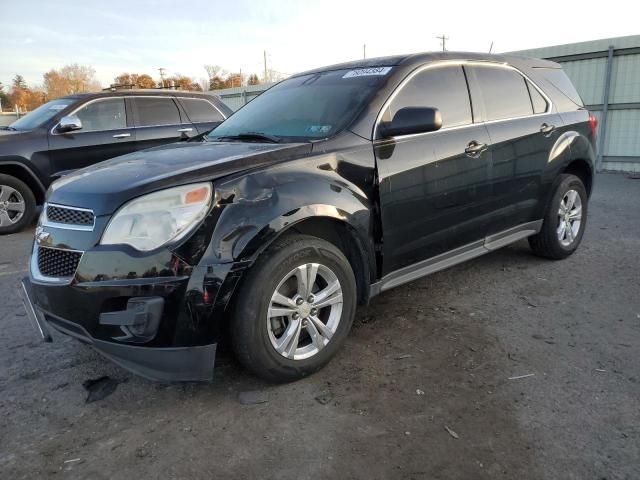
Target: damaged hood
{"points": [[106, 186]]}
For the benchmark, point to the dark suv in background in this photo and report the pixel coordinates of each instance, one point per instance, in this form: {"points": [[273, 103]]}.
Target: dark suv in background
{"points": [[327, 189], [79, 130]]}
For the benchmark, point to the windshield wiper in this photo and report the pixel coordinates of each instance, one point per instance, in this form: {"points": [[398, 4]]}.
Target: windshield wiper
{"points": [[251, 136], [8, 127]]}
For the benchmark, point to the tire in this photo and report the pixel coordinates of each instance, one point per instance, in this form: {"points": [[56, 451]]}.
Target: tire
{"points": [[15, 195], [548, 242], [255, 336]]}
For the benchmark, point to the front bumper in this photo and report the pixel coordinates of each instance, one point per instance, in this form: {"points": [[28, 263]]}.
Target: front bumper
{"points": [[188, 363]]}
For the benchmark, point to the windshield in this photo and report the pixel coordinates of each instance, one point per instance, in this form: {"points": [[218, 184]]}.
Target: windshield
{"points": [[41, 114], [308, 107]]}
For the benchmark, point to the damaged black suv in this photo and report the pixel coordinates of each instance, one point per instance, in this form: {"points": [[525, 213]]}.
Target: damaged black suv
{"points": [[329, 188]]}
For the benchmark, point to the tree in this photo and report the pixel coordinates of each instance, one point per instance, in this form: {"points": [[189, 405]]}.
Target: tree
{"points": [[182, 82], [216, 76], [135, 80], [5, 103], [253, 79], [233, 80], [23, 97], [18, 82], [70, 79]]}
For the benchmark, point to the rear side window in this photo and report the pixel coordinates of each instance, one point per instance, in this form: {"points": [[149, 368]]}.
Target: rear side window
{"points": [[107, 114], [156, 111], [199, 110], [444, 88], [505, 93], [537, 100]]}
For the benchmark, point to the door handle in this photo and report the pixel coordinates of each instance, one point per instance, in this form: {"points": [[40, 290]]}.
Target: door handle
{"points": [[188, 129], [475, 149], [546, 129], [122, 135]]}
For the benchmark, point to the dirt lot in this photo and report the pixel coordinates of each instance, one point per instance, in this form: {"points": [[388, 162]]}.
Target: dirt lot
{"points": [[437, 354]]}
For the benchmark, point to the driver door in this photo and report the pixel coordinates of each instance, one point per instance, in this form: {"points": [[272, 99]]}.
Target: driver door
{"points": [[106, 133], [434, 194]]}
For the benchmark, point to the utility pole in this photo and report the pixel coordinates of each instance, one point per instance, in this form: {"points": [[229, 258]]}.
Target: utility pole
{"points": [[161, 70], [364, 51], [265, 66], [443, 40], [240, 77]]}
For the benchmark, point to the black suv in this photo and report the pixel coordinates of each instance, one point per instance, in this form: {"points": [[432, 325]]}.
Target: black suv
{"points": [[329, 188], [76, 131]]}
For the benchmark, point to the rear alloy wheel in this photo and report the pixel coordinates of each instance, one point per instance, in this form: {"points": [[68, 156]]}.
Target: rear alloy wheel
{"points": [[294, 308], [17, 205], [564, 221]]}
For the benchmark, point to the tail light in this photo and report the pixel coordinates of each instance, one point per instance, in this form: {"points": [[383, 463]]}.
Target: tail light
{"points": [[593, 124]]}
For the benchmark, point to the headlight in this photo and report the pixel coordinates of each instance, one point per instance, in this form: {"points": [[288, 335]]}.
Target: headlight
{"points": [[155, 219]]}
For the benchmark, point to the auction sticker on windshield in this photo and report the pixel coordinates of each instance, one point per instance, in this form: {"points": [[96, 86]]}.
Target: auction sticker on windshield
{"points": [[364, 72]]}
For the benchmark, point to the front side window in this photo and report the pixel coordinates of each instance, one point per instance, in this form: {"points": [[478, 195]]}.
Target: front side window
{"points": [[154, 111], [504, 91], [201, 110], [307, 107], [444, 88], [106, 114]]}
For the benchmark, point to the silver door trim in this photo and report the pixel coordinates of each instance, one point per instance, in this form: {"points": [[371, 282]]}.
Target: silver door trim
{"points": [[456, 256]]}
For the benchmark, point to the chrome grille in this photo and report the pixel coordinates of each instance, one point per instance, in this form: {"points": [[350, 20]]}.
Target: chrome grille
{"points": [[53, 262], [69, 216]]}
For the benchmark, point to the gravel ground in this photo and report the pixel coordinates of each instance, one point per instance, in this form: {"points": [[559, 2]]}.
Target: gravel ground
{"points": [[424, 387]]}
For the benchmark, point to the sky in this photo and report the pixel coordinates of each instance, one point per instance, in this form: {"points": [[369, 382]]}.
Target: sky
{"points": [[141, 36]]}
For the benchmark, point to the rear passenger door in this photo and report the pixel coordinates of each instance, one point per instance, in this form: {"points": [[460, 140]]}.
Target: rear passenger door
{"points": [[433, 192], [201, 113], [522, 131], [158, 121]]}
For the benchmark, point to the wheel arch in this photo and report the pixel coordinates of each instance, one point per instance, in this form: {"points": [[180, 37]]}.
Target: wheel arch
{"points": [[582, 169], [20, 171]]}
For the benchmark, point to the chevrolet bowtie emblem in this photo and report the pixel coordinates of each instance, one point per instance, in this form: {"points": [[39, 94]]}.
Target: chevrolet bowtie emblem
{"points": [[42, 236]]}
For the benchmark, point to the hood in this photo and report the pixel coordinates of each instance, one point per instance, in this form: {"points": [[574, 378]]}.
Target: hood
{"points": [[106, 186]]}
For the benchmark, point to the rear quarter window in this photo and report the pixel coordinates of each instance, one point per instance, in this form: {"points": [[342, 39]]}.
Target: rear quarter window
{"points": [[565, 95], [200, 110]]}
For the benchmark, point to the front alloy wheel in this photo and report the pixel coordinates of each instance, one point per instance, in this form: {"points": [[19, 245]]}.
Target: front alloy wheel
{"points": [[305, 311], [17, 205], [294, 308]]}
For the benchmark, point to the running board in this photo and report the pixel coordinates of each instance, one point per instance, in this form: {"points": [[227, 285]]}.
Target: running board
{"points": [[459, 255]]}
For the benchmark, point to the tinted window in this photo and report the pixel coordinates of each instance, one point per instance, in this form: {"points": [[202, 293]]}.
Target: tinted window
{"points": [[537, 100], [107, 114], [157, 111], [444, 88], [504, 91], [201, 110]]}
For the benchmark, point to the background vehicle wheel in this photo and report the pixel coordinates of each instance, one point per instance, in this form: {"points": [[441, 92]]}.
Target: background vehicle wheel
{"points": [[17, 205], [294, 309], [564, 221]]}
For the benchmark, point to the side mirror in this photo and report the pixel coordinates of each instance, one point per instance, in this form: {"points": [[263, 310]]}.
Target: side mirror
{"points": [[410, 120], [69, 124]]}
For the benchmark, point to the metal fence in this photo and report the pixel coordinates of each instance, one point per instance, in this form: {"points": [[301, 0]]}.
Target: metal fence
{"points": [[234, 98]]}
